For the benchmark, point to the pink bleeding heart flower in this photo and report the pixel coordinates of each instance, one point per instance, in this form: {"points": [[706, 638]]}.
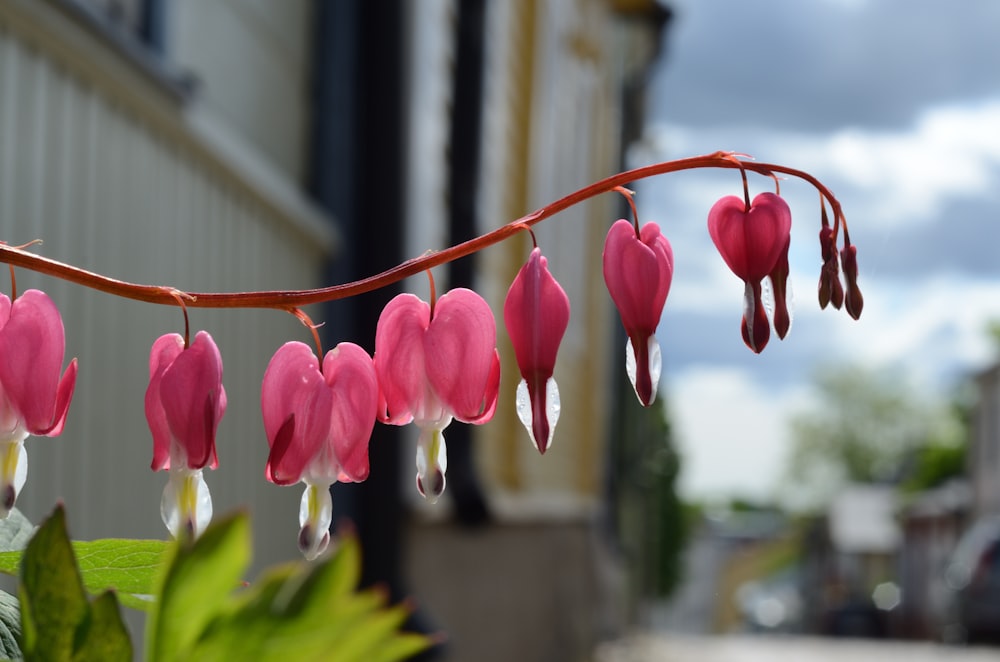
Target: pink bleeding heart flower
{"points": [[433, 366], [34, 399], [751, 241], [536, 313], [318, 423], [185, 401], [638, 270]]}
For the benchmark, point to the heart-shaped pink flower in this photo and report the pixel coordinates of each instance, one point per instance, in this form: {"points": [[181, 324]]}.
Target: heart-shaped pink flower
{"points": [[752, 241], [34, 399], [318, 423], [638, 269], [185, 401], [435, 367]]}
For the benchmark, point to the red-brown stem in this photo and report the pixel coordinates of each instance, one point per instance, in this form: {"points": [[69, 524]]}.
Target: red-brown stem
{"points": [[534, 239], [629, 195], [179, 298], [746, 190], [289, 299], [308, 323], [430, 278]]}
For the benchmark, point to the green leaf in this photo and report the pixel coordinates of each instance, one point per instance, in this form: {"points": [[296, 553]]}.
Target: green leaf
{"points": [[53, 603], [130, 567], [196, 585], [104, 635], [58, 622], [15, 532], [402, 646], [310, 612]]}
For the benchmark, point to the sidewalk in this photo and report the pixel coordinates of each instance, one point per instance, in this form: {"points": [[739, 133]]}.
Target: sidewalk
{"points": [[749, 648]]}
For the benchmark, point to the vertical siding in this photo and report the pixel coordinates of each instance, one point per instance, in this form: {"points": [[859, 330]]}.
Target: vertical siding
{"points": [[552, 103], [111, 189]]}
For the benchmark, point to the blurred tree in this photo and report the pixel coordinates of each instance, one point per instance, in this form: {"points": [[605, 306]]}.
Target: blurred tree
{"points": [[871, 426], [647, 515]]}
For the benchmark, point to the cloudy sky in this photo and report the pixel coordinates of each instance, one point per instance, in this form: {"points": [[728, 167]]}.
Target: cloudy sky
{"points": [[894, 104]]}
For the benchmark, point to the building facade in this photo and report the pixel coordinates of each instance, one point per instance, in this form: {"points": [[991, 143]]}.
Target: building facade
{"points": [[222, 145]]}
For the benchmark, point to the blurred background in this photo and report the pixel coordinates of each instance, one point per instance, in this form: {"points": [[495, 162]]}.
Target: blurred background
{"points": [[841, 484]]}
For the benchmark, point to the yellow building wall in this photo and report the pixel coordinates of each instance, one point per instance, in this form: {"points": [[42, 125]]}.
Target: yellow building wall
{"points": [[551, 127]]}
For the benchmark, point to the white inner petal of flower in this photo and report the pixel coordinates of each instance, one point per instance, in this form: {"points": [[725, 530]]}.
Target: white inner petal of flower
{"points": [[767, 297], [552, 408], [432, 457], [790, 303], [186, 502], [655, 365], [13, 468], [315, 514]]}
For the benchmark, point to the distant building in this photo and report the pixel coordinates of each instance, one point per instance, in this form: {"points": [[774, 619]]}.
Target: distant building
{"points": [[849, 553]]}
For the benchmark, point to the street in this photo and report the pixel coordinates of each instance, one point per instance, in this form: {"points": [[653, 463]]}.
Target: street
{"points": [[748, 648]]}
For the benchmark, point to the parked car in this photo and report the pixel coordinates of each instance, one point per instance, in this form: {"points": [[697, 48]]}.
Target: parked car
{"points": [[972, 576]]}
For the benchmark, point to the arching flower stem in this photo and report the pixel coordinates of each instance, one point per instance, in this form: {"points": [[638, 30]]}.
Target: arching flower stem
{"points": [[307, 322], [629, 195], [179, 298], [290, 299], [433, 293]]}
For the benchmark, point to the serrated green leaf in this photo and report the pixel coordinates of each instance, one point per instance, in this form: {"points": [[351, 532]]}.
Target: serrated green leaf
{"points": [[196, 585], [103, 637], [130, 567], [402, 646], [310, 612], [53, 602], [364, 638]]}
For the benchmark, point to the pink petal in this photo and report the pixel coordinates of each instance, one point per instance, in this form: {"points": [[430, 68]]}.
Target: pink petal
{"points": [[750, 241], [293, 368], [462, 363], [757, 332], [164, 351], [64, 394], [166, 348], [779, 286], [4, 310], [350, 376], [194, 399], [301, 440], [638, 272], [33, 344], [296, 405], [536, 313], [399, 358], [284, 468]]}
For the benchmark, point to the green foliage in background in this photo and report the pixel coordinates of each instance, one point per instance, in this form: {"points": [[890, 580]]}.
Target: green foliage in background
{"points": [[199, 605], [870, 426], [649, 517]]}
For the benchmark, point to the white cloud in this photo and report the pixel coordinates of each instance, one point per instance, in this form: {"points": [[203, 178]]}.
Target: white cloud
{"points": [[935, 328], [732, 434], [886, 177]]}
